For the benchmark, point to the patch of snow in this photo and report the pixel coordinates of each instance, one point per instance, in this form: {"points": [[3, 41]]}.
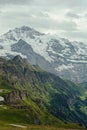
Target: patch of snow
{"points": [[38, 47], [1, 99], [64, 67], [77, 61]]}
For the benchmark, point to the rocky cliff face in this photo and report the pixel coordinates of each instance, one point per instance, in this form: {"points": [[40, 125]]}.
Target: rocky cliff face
{"points": [[15, 96], [33, 57], [16, 99]]}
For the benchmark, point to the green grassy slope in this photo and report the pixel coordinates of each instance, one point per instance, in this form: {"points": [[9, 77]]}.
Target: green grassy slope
{"points": [[47, 99]]}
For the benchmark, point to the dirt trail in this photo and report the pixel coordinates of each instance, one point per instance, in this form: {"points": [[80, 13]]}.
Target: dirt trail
{"points": [[21, 126]]}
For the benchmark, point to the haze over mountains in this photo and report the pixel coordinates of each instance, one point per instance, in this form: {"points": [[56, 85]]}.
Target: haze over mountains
{"points": [[52, 53]]}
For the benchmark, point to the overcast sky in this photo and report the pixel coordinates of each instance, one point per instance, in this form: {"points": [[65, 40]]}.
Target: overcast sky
{"points": [[67, 18]]}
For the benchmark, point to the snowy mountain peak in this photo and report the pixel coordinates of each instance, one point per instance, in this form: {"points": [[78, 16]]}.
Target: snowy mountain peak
{"points": [[59, 55], [22, 32]]}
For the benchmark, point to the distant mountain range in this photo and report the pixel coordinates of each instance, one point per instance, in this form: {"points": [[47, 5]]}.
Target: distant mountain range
{"points": [[52, 53]]}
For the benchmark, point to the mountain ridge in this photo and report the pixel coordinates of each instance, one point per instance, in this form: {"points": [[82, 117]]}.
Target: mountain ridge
{"points": [[27, 87], [54, 54]]}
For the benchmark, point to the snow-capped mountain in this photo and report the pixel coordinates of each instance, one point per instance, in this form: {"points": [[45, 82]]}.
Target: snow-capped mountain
{"points": [[56, 55]]}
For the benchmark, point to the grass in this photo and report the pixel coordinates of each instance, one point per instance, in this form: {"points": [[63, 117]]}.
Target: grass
{"points": [[84, 109], [35, 127], [25, 118]]}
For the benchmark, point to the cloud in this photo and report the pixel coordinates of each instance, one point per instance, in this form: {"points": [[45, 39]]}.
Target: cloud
{"points": [[68, 26], [76, 35], [44, 20], [66, 17], [62, 3], [0, 12], [15, 2], [72, 15]]}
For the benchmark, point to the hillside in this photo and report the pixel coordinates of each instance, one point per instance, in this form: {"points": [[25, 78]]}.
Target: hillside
{"points": [[34, 96]]}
